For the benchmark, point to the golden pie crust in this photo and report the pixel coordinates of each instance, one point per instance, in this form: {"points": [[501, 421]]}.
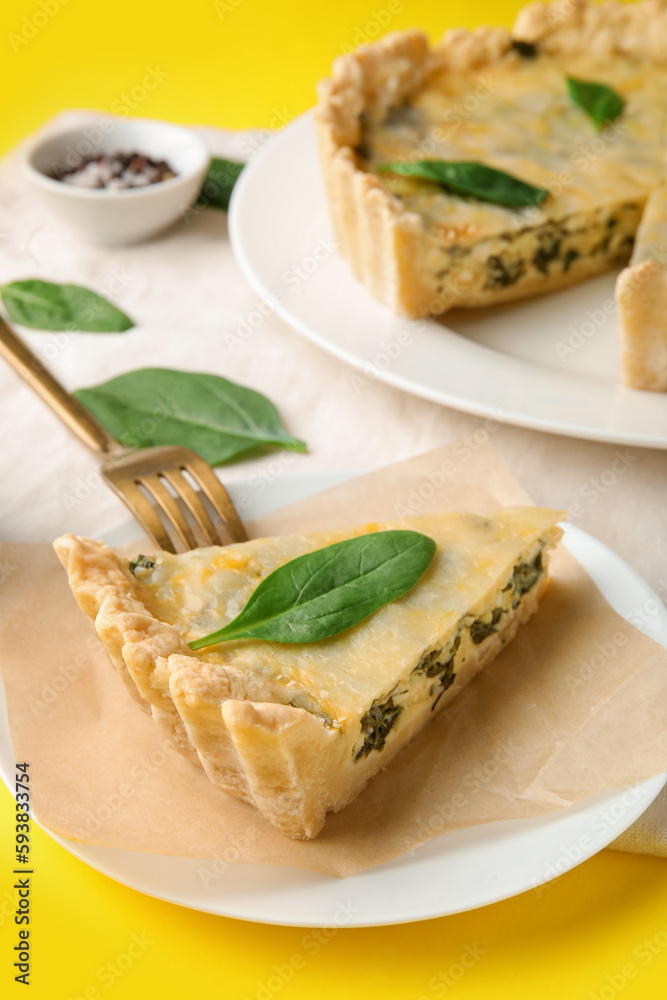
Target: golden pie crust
{"points": [[298, 730]]}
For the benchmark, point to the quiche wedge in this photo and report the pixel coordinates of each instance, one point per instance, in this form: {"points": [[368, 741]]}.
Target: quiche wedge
{"points": [[298, 730], [501, 99]]}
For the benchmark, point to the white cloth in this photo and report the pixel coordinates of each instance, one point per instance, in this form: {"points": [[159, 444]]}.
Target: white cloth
{"points": [[188, 298]]}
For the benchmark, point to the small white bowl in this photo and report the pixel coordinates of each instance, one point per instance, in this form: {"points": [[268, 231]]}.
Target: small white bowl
{"points": [[128, 215]]}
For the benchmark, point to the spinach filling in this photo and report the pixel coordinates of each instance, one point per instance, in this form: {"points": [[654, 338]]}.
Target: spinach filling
{"points": [[569, 259], [376, 725], [379, 720], [526, 575], [524, 578], [527, 50], [141, 562], [552, 250], [433, 666], [447, 674], [502, 272], [549, 244], [479, 630]]}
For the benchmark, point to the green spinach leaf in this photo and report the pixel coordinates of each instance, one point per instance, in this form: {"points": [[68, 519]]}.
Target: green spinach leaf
{"points": [[325, 592], [216, 418], [473, 179], [219, 182], [44, 305], [597, 99]]}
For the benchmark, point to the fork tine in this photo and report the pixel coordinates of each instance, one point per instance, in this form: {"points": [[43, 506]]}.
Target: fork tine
{"points": [[144, 511], [176, 496], [231, 529], [170, 506], [191, 500]]}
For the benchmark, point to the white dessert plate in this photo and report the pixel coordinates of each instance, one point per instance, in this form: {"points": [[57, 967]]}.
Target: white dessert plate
{"points": [[550, 363], [451, 873]]}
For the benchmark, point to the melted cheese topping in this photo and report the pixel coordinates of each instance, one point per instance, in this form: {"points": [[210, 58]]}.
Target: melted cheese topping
{"points": [[202, 590], [516, 115]]}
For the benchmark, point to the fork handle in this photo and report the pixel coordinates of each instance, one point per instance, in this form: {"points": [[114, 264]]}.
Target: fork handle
{"points": [[69, 409]]}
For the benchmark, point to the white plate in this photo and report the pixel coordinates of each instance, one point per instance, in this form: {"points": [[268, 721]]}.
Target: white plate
{"points": [[502, 362], [451, 873]]}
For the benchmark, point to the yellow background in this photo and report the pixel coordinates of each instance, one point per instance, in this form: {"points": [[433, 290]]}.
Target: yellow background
{"points": [[255, 62]]}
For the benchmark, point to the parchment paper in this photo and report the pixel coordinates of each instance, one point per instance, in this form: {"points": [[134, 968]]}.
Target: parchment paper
{"points": [[576, 704]]}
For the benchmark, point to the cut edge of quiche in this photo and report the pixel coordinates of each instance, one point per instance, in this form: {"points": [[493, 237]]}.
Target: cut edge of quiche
{"points": [[393, 250], [298, 731]]}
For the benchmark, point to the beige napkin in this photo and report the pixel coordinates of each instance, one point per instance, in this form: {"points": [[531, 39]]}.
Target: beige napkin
{"points": [[535, 732], [187, 295]]}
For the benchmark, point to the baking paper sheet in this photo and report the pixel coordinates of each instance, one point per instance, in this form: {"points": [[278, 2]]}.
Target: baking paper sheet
{"points": [[576, 704]]}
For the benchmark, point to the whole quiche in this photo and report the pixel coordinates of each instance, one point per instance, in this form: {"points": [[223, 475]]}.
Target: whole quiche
{"points": [[500, 164]]}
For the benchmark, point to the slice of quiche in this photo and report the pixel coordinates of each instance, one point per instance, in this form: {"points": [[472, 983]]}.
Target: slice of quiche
{"points": [[501, 99], [299, 729]]}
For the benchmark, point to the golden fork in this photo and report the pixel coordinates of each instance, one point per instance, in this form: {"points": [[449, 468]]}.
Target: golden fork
{"points": [[173, 493]]}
